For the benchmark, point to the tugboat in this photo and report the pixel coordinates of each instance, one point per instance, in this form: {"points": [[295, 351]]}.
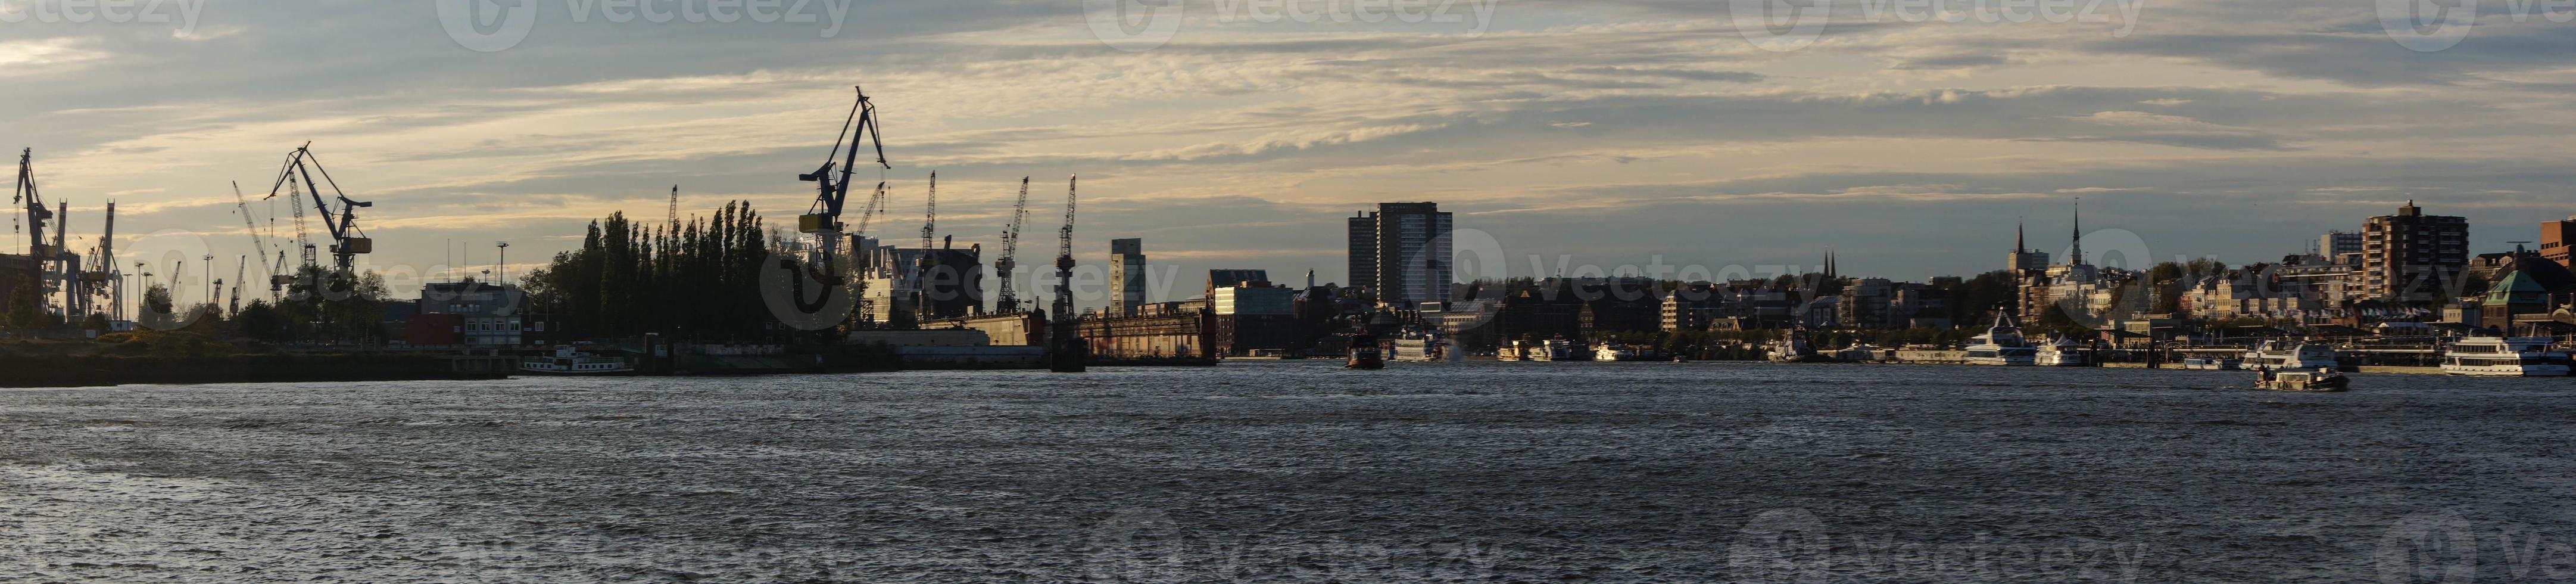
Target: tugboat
{"points": [[567, 361], [2302, 380], [1364, 353]]}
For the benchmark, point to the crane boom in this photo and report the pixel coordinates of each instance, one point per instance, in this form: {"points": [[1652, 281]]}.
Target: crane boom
{"points": [[259, 246], [347, 241]]}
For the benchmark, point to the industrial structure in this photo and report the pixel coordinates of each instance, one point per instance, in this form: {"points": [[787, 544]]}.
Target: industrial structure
{"points": [[1065, 350], [295, 178]]}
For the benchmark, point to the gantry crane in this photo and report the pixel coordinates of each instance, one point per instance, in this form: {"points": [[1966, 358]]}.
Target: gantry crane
{"points": [[1008, 300], [1065, 352], [823, 219], [347, 240], [48, 258]]}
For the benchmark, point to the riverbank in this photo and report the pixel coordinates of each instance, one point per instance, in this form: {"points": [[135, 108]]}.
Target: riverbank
{"points": [[111, 370]]}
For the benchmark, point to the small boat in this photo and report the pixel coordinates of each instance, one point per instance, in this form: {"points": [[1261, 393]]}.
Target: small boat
{"points": [[1861, 353], [2504, 356], [1620, 352], [2212, 364], [1365, 354], [2059, 352], [1515, 352], [2302, 380], [1793, 348], [1556, 349], [2286, 356], [567, 361], [2001, 345]]}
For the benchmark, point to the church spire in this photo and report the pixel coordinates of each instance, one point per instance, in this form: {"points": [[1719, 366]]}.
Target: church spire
{"points": [[2021, 234], [2079, 234]]}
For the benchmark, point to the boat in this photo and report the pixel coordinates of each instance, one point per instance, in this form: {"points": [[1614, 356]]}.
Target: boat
{"points": [[569, 361], [2286, 356], [2212, 364], [2059, 352], [2323, 379], [1510, 353], [1364, 353], [2001, 345], [1862, 353], [1620, 352], [1794, 348], [1422, 349], [1556, 349], [2504, 356]]}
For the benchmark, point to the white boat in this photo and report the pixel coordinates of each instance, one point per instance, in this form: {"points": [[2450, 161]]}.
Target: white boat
{"points": [[1553, 350], [2212, 364], [1512, 353], [1862, 353], [2285, 356], [2001, 345], [1794, 348], [1613, 352], [2514, 357], [567, 361], [2059, 352]]}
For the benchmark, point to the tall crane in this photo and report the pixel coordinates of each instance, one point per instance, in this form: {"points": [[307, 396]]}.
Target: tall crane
{"points": [[258, 245], [303, 238], [675, 208], [1008, 300], [241, 268], [823, 219], [47, 257], [929, 260], [1065, 353], [347, 240]]}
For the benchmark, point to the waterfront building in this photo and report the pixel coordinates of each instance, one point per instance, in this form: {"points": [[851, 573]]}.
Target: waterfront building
{"points": [[1400, 252], [1692, 308], [1126, 276], [2337, 243], [2411, 257], [2023, 258], [476, 313], [2558, 242]]}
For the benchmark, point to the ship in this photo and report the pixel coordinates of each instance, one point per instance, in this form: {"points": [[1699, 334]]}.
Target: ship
{"points": [[2059, 352], [2001, 345], [2504, 356], [1793, 348], [1556, 349], [2302, 380], [1424, 349], [1863, 353], [568, 361], [1365, 354], [2285, 356], [1621, 352]]}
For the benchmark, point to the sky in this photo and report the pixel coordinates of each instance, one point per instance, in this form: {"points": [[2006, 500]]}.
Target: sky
{"points": [[1909, 136]]}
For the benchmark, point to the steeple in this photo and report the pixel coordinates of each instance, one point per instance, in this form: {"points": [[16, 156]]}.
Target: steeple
{"points": [[2078, 235], [2020, 236]]}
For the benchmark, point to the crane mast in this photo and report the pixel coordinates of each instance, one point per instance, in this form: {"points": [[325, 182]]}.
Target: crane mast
{"points": [[258, 245], [1008, 300], [1065, 352]]}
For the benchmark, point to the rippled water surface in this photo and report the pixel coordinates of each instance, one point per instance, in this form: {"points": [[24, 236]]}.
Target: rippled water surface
{"points": [[1299, 471]]}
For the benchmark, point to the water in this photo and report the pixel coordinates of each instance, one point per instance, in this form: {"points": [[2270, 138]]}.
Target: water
{"points": [[1299, 471]]}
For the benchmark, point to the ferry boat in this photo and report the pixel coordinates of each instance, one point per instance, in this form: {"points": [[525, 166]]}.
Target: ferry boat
{"points": [[2284, 356], [2302, 380], [1422, 349], [2212, 364], [567, 361], [1556, 349], [1364, 353], [1793, 348], [2502, 356], [2059, 352], [2001, 345]]}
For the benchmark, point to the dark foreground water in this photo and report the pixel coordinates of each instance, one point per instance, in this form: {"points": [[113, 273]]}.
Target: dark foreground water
{"points": [[1300, 471]]}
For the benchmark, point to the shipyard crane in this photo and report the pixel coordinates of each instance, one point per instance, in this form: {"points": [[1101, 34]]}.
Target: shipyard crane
{"points": [[929, 260], [1008, 300], [347, 240], [241, 269], [823, 219], [258, 245], [1065, 353], [47, 257], [675, 208]]}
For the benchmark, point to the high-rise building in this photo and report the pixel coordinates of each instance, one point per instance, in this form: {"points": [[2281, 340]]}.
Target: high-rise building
{"points": [[2336, 243], [1401, 253], [2411, 256], [2558, 240], [1126, 276]]}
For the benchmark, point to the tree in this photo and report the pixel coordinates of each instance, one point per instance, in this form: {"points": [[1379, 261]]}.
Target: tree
{"points": [[157, 311], [25, 312]]}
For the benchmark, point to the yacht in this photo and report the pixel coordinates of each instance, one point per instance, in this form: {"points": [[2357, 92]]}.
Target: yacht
{"points": [[1421, 349], [2059, 352], [2001, 345], [1793, 348], [1514, 352], [2502, 356], [2286, 356], [1556, 349], [1621, 352], [567, 361], [1862, 353]]}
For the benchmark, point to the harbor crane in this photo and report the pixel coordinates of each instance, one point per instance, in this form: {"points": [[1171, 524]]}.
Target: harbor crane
{"points": [[347, 240], [675, 208], [48, 257], [1065, 353], [1008, 300], [823, 219], [929, 260], [258, 245]]}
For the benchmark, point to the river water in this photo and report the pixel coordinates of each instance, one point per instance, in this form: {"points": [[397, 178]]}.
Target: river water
{"points": [[1300, 471]]}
